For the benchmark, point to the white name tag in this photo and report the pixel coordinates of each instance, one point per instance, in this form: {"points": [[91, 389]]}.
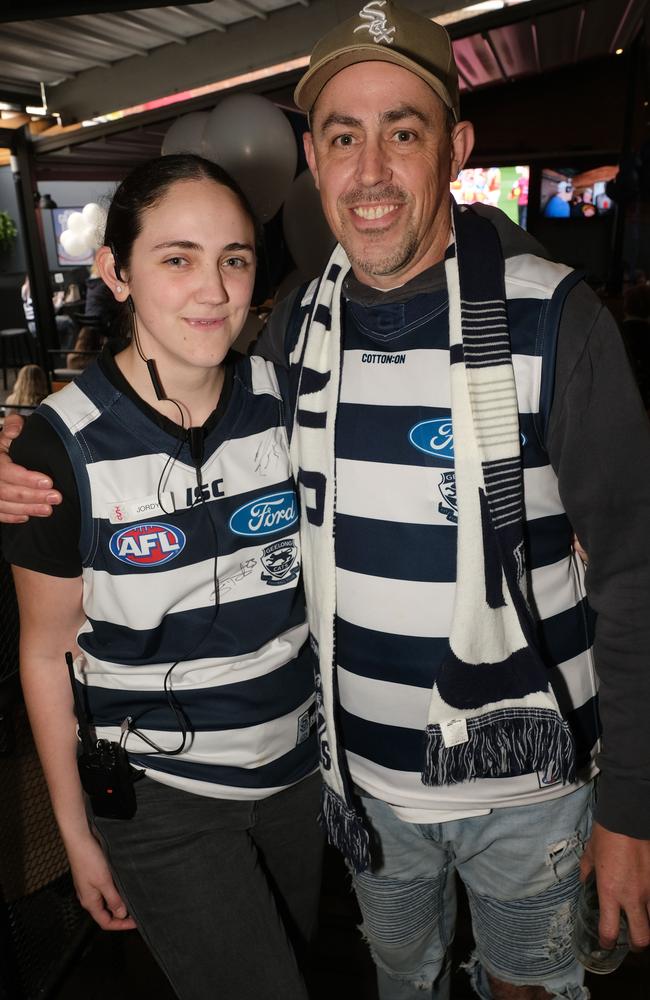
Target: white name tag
{"points": [[140, 510], [454, 732]]}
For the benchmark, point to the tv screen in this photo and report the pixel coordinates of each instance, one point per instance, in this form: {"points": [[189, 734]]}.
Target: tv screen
{"points": [[504, 187], [567, 193], [60, 218]]}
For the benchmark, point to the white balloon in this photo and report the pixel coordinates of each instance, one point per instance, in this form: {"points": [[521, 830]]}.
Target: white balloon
{"points": [[76, 222], [89, 235], [94, 214], [306, 231], [185, 134], [253, 140], [73, 244]]}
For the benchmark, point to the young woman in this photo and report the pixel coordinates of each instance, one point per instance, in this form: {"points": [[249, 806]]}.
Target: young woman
{"points": [[171, 571], [29, 389]]}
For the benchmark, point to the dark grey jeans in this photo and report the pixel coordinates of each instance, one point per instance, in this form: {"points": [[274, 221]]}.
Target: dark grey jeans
{"points": [[224, 893]]}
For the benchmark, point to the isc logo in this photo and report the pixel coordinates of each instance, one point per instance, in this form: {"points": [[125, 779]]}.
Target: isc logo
{"points": [[147, 545]]}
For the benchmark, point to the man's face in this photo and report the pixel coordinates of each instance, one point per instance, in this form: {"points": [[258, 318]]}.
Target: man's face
{"points": [[383, 158]]}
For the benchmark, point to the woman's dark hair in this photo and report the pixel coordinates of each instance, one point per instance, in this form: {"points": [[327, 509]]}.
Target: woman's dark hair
{"points": [[147, 185]]}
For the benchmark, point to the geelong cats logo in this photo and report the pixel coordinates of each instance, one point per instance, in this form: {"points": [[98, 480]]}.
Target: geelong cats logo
{"points": [[280, 560]]}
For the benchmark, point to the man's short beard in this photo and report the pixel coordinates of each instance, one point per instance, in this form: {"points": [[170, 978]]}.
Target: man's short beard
{"points": [[392, 263]]}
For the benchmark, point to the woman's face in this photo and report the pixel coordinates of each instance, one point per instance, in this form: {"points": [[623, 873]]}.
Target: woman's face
{"points": [[191, 274]]}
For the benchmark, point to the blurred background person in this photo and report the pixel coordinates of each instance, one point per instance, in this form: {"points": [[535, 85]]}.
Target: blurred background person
{"points": [[65, 326], [30, 388], [87, 345], [559, 205]]}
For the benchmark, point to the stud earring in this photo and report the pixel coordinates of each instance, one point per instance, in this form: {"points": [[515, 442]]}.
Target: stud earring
{"points": [[118, 288]]}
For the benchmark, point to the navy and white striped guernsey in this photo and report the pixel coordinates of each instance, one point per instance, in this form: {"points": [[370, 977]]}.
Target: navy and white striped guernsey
{"points": [[153, 593], [395, 536]]}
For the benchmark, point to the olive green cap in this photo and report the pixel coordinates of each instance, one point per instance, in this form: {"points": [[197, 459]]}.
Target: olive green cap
{"points": [[384, 32]]}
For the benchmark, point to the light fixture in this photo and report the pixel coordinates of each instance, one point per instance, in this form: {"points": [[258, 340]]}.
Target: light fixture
{"points": [[619, 52]]}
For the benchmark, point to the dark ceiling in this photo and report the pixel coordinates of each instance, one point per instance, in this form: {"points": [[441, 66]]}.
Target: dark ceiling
{"points": [[535, 39]]}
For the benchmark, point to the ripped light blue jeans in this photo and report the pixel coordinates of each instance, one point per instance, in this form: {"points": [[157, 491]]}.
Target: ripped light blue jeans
{"points": [[520, 869]]}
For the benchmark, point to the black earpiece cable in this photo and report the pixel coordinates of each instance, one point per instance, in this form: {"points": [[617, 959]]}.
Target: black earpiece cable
{"points": [[195, 437]]}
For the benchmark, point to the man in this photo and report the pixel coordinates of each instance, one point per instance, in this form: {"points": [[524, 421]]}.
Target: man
{"points": [[558, 205], [456, 728]]}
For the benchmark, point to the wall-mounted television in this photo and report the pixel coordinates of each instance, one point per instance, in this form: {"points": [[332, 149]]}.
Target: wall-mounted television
{"points": [[60, 218], [504, 187], [568, 193]]}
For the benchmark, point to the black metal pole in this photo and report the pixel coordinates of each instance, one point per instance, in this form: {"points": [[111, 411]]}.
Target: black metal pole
{"points": [[22, 167]]}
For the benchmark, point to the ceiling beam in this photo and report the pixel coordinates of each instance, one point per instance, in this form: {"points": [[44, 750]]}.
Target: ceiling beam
{"points": [[154, 29], [581, 24], [200, 18], [155, 120], [289, 33], [52, 45], [495, 55], [535, 40], [45, 69], [94, 34], [250, 8], [624, 17], [39, 10]]}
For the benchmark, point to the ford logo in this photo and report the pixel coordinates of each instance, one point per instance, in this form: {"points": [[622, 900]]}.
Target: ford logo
{"points": [[434, 437], [266, 515]]}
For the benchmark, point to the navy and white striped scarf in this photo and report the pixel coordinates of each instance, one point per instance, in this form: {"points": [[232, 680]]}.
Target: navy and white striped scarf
{"points": [[492, 711]]}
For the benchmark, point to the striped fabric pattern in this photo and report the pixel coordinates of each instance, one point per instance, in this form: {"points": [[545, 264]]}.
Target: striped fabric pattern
{"points": [[481, 318], [396, 554], [207, 575], [396, 540]]}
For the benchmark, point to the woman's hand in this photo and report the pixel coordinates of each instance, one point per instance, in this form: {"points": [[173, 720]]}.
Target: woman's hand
{"points": [[23, 494], [94, 885]]}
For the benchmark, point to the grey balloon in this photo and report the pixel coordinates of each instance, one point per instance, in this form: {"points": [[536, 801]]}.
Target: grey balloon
{"points": [[306, 231], [252, 139], [185, 134]]}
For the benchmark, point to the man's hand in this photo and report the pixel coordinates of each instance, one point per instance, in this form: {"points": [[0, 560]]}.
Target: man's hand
{"points": [[23, 494], [95, 887], [577, 547], [622, 867]]}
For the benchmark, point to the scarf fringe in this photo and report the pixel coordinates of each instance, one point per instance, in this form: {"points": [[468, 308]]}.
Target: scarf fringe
{"points": [[345, 829], [502, 743]]}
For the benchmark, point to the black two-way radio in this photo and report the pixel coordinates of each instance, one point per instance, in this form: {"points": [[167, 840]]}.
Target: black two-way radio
{"points": [[106, 775]]}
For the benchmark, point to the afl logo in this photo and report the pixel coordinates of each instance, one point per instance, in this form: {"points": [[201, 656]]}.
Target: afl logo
{"points": [[266, 515], [434, 437], [147, 545]]}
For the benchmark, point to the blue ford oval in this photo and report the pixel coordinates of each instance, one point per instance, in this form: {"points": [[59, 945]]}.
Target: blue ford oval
{"points": [[434, 437], [266, 515]]}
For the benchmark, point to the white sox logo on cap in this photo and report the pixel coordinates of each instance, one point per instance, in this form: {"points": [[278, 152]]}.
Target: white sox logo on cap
{"points": [[378, 26]]}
